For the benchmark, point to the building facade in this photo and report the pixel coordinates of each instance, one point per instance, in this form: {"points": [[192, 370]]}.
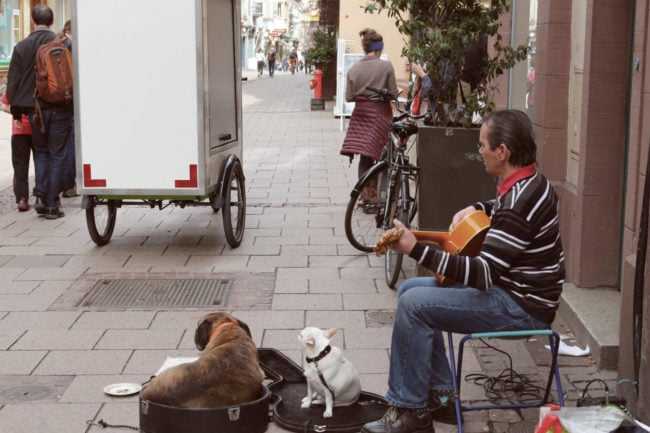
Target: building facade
{"points": [[15, 24], [585, 85], [590, 115]]}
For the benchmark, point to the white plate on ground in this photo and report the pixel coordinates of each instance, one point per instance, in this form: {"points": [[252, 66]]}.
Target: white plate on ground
{"points": [[122, 389]]}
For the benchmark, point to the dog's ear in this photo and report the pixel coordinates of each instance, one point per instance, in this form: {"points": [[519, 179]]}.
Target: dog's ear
{"points": [[329, 333], [202, 333], [245, 327]]}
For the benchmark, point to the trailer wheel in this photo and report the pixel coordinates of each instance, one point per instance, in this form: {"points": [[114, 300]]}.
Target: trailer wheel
{"points": [[234, 206], [100, 220]]}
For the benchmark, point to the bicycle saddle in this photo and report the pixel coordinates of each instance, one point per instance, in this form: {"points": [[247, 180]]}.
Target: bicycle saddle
{"points": [[404, 127]]}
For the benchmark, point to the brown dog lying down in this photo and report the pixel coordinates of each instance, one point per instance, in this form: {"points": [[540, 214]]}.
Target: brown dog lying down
{"points": [[227, 373]]}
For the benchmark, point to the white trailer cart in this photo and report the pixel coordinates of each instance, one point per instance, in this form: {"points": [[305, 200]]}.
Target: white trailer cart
{"points": [[158, 109]]}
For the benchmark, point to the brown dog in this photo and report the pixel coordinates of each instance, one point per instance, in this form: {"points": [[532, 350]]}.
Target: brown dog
{"points": [[227, 373]]}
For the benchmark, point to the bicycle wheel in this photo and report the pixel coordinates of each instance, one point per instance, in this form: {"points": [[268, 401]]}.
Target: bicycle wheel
{"points": [[400, 209], [234, 207], [100, 220], [364, 213]]}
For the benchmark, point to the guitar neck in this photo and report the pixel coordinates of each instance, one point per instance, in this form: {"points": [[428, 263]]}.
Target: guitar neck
{"points": [[427, 236]]}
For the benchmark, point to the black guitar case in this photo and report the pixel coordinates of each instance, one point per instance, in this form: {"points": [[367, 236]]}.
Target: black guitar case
{"points": [[288, 387]]}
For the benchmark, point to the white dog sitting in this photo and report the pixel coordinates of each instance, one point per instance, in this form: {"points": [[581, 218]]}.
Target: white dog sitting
{"points": [[331, 378]]}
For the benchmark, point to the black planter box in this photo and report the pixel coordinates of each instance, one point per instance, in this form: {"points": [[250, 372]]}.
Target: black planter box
{"points": [[452, 175]]}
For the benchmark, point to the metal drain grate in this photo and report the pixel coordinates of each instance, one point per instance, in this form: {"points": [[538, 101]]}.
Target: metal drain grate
{"points": [[380, 319], [158, 293]]}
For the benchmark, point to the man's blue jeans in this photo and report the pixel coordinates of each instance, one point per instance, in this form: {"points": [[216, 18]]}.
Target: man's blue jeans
{"points": [[418, 359], [50, 153]]}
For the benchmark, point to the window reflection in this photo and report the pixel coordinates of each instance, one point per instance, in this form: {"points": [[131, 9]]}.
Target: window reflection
{"points": [[9, 28], [522, 78]]}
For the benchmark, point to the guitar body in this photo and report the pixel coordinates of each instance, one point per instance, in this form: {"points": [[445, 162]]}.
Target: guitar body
{"points": [[465, 239]]}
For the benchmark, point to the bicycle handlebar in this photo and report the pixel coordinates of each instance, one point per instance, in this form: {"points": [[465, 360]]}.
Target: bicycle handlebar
{"points": [[390, 98]]}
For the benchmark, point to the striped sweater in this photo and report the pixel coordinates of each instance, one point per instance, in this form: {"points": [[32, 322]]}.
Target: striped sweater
{"points": [[522, 251]]}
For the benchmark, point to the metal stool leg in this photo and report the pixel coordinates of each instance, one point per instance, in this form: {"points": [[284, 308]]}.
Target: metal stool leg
{"points": [[455, 379]]}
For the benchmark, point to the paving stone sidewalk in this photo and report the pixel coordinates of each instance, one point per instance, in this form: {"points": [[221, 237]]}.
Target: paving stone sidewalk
{"points": [[294, 268]]}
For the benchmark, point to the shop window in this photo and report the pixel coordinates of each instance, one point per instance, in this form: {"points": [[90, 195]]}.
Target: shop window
{"points": [[9, 29], [522, 77]]}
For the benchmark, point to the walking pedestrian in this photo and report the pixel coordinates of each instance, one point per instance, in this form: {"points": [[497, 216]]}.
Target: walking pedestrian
{"points": [[50, 146], [21, 152], [271, 59], [260, 62], [69, 178]]}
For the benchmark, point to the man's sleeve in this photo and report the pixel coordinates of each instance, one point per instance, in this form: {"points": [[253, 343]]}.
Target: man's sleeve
{"points": [[13, 76]]}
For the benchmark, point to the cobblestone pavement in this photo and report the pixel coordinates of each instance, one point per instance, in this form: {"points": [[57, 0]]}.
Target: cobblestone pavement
{"points": [[294, 268]]}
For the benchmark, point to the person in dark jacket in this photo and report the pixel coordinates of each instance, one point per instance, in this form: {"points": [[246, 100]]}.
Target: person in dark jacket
{"points": [[49, 147], [513, 284]]}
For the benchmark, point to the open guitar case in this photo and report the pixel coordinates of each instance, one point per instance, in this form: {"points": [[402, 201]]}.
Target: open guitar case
{"points": [[288, 387]]}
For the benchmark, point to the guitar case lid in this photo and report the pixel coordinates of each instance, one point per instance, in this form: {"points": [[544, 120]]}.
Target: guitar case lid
{"points": [[289, 387]]}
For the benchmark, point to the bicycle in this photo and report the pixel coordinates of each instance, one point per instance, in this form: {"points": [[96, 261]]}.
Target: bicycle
{"points": [[384, 191]]}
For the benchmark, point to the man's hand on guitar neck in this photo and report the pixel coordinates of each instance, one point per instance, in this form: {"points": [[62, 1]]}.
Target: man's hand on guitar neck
{"points": [[460, 215], [406, 242]]}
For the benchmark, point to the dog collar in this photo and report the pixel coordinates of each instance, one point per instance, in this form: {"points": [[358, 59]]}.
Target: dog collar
{"points": [[215, 330], [321, 355]]}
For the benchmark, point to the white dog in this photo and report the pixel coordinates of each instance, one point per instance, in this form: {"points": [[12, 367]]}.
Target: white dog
{"points": [[329, 375]]}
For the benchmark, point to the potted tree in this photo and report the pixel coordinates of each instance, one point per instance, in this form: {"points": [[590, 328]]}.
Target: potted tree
{"points": [[322, 55], [442, 35], [438, 35]]}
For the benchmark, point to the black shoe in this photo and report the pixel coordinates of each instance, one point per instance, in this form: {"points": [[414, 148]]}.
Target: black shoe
{"points": [[442, 412], [53, 213], [401, 420], [39, 206]]}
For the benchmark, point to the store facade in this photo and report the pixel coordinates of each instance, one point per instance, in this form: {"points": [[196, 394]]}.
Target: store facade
{"points": [[589, 93], [15, 24]]}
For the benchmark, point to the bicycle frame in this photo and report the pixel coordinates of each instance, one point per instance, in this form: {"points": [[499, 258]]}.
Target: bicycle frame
{"points": [[399, 170]]}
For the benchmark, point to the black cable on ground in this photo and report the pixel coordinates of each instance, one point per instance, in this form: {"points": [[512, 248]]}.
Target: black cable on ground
{"points": [[507, 385]]}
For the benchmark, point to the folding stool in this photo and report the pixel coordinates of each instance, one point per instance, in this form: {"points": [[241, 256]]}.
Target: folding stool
{"points": [[554, 344]]}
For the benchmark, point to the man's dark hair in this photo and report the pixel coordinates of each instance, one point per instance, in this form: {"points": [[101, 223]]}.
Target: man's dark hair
{"points": [[43, 15], [514, 129]]}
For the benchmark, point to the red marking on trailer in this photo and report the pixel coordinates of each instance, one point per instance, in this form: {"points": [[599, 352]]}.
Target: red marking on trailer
{"points": [[192, 182], [89, 182]]}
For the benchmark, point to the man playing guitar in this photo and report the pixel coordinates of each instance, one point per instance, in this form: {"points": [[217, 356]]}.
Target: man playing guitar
{"points": [[513, 283]]}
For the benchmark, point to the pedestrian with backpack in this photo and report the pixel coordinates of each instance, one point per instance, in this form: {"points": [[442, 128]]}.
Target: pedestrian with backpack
{"points": [[48, 105]]}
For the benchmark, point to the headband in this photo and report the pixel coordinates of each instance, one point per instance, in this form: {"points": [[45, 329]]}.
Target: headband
{"points": [[376, 46]]}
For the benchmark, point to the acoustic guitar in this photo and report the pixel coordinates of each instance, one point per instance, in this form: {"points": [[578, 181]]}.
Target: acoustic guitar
{"points": [[465, 239]]}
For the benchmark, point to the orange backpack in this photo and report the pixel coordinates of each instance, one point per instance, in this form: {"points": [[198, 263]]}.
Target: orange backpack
{"points": [[54, 73]]}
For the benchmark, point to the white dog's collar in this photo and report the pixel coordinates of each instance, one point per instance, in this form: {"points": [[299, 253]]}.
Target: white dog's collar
{"points": [[321, 355]]}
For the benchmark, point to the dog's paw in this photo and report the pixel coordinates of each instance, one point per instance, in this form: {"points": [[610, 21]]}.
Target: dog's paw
{"points": [[327, 413], [318, 400], [306, 402]]}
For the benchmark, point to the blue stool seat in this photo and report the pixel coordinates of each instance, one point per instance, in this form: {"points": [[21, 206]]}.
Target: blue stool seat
{"points": [[456, 368]]}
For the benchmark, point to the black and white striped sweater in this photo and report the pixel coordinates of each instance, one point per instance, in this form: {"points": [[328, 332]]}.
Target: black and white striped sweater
{"points": [[522, 251]]}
